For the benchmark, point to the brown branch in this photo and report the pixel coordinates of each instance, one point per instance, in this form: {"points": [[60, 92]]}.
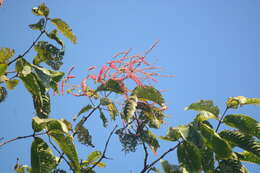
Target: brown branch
{"points": [[105, 149], [161, 157], [21, 137]]}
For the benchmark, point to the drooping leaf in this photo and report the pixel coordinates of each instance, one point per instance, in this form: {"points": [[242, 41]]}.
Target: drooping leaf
{"points": [[189, 155], [83, 135], [42, 105], [3, 94], [39, 25], [204, 105], [151, 139], [64, 29], [248, 157], [129, 141], [244, 123], [231, 166], [215, 142], [149, 93], [111, 85], [130, 108], [235, 102], [169, 168], [48, 54], [103, 117], [3, 68], [54, 36], [11, 84], [65, 142], [41, 10], [5, 55], [241, 140], [173, 134], [42, 158], [113, 112], [83, 110]]}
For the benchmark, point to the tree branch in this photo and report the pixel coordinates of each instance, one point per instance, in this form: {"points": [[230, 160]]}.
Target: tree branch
{"points": [[105, 149], [220, 121], [161, 157], [22, 137]]}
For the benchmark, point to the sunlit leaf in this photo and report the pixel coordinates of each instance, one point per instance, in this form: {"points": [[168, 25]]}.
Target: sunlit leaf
{"points": [[22, 168], [64, 29], [42, 105], [248, 157], [5, 55], [41, 10], [11, 84], [244, 123], [42, 158], [205, 115], [130, 108], [48, 54], [241, 140], [149, 93], [204, 105], [215, 142], [113, 112], [94, 156], [173, 134], [169, 168], [189, 155], [235, 102], [39, 25], [3, 68], [65, 142], [38, 124]]}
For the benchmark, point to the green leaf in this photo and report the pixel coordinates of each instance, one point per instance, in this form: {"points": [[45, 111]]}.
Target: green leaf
{"points": [[215, 142], [64, 29], [103, 117], [48, 54], [231, 166], [54, 36], [83, 110], [173, 134], [235, 102], [129, 141], [241, 140], [49, 124], [3, 68], [111, 85], [130, 108], [41, 10], [39, 25], [3, 94], [151, 139], [65, 142], [189, 156], [204, 105], [42, 158], [11, 84], [244, 123], [5, 55], [113, 112], [22, 168], [205, 115], [207, 160], [42, 105], [149, 93], [94, 156], [169, 168], [83, 134], [248, 157]]}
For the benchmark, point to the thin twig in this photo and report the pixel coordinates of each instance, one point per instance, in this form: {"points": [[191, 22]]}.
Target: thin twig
{"points": [[105, 149], [21, 137], [32, 45], [161, 157], [145, 154], [220, 121]]}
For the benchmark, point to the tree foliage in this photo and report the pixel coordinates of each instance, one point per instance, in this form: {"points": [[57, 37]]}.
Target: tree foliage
{"points": [[200, 146]]}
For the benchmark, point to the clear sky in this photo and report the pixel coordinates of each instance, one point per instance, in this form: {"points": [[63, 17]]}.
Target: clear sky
{"points": [[212, 46]]}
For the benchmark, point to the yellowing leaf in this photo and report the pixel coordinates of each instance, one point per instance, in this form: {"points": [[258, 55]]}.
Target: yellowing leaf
{"points": [[5, 54], [41, 10], [11, 84], [235, 102], [3, 68], [64, 29]]}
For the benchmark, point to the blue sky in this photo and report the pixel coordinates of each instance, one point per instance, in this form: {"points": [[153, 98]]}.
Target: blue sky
{"points": [[211, 46]]}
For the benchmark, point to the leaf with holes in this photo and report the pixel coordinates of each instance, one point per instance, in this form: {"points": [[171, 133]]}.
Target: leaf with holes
{"points": [[64, 29], [42, 158], [83, 134]]}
